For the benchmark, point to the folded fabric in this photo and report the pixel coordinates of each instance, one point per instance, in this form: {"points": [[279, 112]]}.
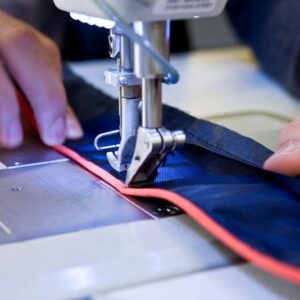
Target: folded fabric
{"points": [[217, 178]]}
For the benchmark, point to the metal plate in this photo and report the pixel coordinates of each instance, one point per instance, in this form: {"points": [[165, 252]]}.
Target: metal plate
{"points": [[31, 153], [58, 198]]}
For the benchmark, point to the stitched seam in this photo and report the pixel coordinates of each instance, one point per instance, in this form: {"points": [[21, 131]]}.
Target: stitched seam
{"points": [[218, 150]]}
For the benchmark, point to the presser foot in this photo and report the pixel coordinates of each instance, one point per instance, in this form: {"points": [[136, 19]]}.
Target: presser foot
{"points": [[121, 159], [152, 148]]}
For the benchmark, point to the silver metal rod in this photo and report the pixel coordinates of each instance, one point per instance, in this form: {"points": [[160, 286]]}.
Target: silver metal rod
{"points": [[102, 136], [158, 34], [126, 65], [126, 55], [151, 103]]}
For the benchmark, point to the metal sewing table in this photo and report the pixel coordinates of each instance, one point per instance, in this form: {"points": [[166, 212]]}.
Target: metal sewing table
{"points": [[66, 235]]}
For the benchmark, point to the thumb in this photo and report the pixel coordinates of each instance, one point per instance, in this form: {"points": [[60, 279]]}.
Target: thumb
{"points": [[286, 160], [73, 127]]}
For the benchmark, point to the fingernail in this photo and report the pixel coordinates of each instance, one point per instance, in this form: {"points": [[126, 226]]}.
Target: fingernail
{"points": [[287, 149], [14, 134], [55, 135], [74, 130]]}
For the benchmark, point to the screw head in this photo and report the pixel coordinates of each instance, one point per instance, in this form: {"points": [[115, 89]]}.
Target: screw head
{"points": [[123, 81], [16, 189], [166, 211]]}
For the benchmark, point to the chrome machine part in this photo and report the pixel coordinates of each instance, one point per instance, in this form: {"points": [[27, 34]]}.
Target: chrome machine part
{"points": [[158, 35], [152, 103], [152, 147], [129, 87], [144, 142], [154, 142]]}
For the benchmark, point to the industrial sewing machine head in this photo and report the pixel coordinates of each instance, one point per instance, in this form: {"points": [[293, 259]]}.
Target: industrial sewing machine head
{"points": [[140, 41]]}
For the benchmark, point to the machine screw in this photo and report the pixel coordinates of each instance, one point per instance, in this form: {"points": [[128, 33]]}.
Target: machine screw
{"points": [[166, 211], [123, 81], [16, 189]]}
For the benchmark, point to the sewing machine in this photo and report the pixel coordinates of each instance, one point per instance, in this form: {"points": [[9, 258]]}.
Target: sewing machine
{"points": [[65, 234], [74, 237], [140, 41]]}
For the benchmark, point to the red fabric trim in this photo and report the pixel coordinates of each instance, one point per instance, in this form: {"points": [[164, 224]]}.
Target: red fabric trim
{"points": [[263, 261]]}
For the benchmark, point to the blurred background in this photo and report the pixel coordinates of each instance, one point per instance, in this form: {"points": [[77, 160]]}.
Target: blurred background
{"points": [[79, 41]]}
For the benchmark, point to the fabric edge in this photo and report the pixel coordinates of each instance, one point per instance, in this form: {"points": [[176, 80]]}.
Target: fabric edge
{"points": [[265, 262]]}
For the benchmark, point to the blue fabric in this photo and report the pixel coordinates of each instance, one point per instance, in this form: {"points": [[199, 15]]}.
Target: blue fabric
{"points": [[221, 172]]}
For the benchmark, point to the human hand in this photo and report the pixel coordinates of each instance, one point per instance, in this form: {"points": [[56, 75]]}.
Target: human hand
{"points": [[286, 159], [33, 62]]}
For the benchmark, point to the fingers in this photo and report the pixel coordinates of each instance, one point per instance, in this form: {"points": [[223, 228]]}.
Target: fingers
{"points": [[11, 134], [286, 159], [34, 62], [73, 128]]}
